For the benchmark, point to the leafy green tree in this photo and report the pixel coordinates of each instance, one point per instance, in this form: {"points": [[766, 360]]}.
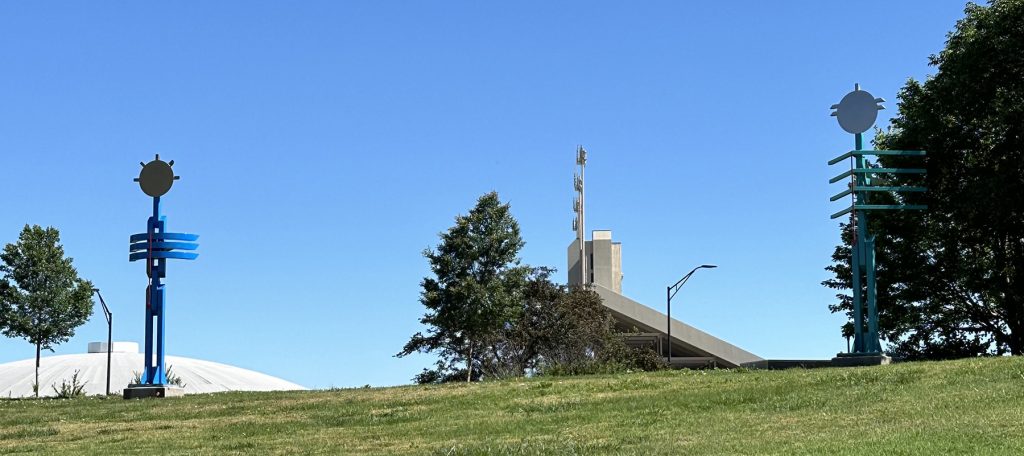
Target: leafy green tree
{"points": [[42, 299], [476, 288], [951, 280], [555, 325], [514, 349], [577, 334], [565, 330]]}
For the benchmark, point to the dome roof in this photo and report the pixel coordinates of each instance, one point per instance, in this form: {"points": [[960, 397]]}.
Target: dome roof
{"points": [[198, 376]]}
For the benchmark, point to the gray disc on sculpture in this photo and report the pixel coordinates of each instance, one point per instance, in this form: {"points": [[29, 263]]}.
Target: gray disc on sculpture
{"points": [[857, 111], [156, 178]]}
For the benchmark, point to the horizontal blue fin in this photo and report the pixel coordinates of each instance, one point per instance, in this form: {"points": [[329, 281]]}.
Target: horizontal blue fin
{"points": [[164, 236], [162, 255]]}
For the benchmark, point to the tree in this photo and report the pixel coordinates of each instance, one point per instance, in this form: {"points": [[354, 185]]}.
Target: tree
{"points": [[476, 287], [576, 334], [514, 349], [558, 330], [951, 280], [557, 326], [42, 299]]}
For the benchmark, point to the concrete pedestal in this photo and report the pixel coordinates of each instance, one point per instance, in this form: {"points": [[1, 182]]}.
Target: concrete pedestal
{"points": [[788, 364], [850, 359], [144, 391]]}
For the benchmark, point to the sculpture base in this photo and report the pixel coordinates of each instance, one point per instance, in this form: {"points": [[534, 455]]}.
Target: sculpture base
{"points": [[860, 359], [774, 364], [139, 391], [841, 360]]}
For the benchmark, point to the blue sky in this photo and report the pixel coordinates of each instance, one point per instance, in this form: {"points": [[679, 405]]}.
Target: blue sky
{"points": [[323, 145]]}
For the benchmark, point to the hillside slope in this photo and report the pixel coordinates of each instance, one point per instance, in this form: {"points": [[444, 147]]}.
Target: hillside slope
{"points": [[967, 406]]}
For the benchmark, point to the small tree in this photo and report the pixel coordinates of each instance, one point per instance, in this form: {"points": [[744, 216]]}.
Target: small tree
{"points": [[476, 290], [42, 299]]}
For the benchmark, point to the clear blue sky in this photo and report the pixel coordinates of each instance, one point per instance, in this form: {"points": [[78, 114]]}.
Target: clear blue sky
{"points": [[323, 145]]}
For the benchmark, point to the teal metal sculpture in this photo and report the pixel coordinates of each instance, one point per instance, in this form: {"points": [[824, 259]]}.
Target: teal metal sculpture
{"points": [[856, 114]]}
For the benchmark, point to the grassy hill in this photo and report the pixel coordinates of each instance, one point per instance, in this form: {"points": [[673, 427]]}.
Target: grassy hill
{"points": [[968, 406]]}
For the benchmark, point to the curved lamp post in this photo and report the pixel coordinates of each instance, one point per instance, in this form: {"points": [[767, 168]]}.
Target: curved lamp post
{"points": [[669, 293], [110, 326]]}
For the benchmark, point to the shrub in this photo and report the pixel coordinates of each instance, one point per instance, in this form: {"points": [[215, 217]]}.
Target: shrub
{"points": [[619, 359], [70, 390], [172, 378]]}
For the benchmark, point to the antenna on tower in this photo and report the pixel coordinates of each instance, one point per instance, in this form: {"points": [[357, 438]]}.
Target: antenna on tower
{"points": [[579, 205]]}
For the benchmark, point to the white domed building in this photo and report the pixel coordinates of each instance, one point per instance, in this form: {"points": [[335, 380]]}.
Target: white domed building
{"points": [[197, 376]]}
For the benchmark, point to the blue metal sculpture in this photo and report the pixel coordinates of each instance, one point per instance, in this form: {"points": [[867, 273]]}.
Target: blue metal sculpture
{"points": [[156, 246], [856, 114]]}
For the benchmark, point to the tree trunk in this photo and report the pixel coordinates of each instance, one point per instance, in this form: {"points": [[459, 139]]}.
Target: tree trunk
{"points": [[1015, 327], [469, 364], [1013, 298], [36, 388]]}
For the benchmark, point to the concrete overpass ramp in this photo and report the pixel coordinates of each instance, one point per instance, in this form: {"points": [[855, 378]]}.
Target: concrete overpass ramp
{"points": [[690, 345]]}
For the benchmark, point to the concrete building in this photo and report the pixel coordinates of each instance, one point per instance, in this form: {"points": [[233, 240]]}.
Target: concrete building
{"points": [[198, 376], [691, 347], [604, 261]]}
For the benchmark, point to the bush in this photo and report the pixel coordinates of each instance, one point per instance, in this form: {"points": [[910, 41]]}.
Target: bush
{"points": [[633, 358], [70, 390], [617, 359], [172, 378]]}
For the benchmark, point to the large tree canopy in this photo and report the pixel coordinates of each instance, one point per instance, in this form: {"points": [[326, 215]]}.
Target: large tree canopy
{"points": [[951, 280]]}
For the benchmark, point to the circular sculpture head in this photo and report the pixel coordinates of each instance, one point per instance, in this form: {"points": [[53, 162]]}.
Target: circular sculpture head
{"points": [[857, 111], [156, 177]]}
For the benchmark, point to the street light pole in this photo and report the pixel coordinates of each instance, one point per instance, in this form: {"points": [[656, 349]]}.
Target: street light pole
{"points": [[110, 326], [671, 292]]}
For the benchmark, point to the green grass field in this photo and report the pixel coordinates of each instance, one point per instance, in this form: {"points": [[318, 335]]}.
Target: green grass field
{"points": [[969, 406]]}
